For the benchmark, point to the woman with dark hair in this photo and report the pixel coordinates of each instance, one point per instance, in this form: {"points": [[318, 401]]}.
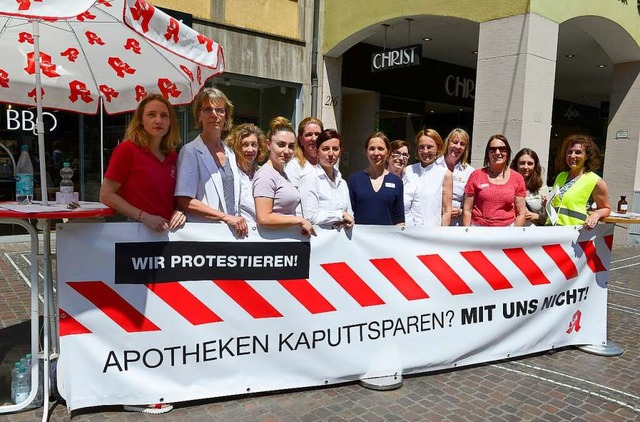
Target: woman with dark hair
{"points": [[397, 165], [527, 163], [250, 147], [578, 183], [494, 195], [208, 187], [277, 200], [141, 175], [376, 194], [306, 154], [325, 195], [455, 154], [435, 182]]}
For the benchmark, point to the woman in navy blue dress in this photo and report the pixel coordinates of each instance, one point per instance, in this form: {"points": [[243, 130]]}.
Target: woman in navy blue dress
{"points": [[377, 195]]}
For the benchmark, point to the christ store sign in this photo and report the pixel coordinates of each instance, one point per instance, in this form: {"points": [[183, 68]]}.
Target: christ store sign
{"points": [[397, 57]]}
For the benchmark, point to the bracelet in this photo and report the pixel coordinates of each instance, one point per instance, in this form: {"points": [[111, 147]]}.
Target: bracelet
{"points": [[139, 215]]}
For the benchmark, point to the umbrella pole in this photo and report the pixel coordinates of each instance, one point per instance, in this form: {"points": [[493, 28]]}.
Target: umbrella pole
{"points": [[39, 121], [101, 141]]}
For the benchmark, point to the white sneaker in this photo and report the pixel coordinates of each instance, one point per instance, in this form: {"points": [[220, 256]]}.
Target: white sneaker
{"points": [[152, 409]]}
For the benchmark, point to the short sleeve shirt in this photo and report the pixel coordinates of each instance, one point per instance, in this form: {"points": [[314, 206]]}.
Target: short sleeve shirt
{"points": [[146, 182], [494, 205], [270, 183]]}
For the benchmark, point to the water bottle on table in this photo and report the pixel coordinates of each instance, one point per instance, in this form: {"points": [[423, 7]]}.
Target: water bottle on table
{"points": [[24, 178], [66, 194]]}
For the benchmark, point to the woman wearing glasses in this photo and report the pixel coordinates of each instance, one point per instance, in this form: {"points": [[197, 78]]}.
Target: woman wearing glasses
{"points": [[396, 165], [455, 153], [435, 182], [208, 185], [494, 195]]}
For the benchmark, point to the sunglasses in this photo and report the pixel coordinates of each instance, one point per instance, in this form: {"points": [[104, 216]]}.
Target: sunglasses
{"points": [[496, 149]]}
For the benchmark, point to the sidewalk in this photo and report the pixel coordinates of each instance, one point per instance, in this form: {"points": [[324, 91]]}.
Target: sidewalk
{"points": [[566, 385]]}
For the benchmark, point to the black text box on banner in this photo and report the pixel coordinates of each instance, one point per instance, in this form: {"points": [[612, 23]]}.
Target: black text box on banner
{"points": [[156, 262]]}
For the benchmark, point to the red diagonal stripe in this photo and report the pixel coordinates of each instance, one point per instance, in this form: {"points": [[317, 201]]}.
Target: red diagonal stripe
{"points": [[307, 295], [608, 240], [445, 274], [70, 326], [248, 299], [487, 270], [529, 268], [562, 260], [400, 279], [352, 284], [593, 260], [184, 302], [114, 306]]}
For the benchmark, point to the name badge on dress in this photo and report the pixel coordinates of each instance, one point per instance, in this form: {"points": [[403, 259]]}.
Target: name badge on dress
{"points": [[484, 185], [389, 185]]}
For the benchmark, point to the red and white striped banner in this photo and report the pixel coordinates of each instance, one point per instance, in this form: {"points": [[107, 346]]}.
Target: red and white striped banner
{"points": [[377, 301]]}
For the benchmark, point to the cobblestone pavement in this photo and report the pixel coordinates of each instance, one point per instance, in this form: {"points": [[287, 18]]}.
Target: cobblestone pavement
{"points": [[568, 385]]}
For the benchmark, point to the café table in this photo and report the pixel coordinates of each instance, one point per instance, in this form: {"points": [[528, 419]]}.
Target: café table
{"points": [[21, 215]]}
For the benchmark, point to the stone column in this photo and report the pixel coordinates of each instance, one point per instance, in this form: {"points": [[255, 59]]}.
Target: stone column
{"points": [[330, 93], [515, 83], [622, 153]]}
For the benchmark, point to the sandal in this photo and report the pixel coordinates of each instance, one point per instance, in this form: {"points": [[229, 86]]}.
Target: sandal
{"points": [[152, 409]]}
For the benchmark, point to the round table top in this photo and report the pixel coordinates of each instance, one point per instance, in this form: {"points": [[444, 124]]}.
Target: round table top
{"points": [[90, 210]]}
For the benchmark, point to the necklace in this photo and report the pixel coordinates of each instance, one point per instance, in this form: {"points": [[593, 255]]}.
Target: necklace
{"points": [[249, 173]]}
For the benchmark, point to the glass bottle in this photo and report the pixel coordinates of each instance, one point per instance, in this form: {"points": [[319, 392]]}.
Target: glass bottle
{"points": [[623, 206], [66, 184]]}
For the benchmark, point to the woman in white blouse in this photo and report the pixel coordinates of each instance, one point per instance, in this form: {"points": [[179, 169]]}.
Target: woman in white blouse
{"points": [[250, 146], [325, 196], [208, 186], [455, 153], [396, 165]]}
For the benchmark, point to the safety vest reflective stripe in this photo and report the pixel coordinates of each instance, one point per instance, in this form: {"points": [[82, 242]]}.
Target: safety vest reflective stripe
{"points": [[571, 213]]}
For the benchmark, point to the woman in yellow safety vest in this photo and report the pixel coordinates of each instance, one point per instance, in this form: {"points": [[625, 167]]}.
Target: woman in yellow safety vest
{"points": [[578, 159]]}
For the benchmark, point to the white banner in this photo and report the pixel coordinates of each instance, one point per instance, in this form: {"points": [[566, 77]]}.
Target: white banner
{"points": [[350, 305]]}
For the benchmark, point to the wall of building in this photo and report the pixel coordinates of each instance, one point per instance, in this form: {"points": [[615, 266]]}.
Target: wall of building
{"points": [[277, 17]]}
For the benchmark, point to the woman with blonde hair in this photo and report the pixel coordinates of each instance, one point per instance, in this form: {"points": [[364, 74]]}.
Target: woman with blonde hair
{"points": [[250, 147], [277, 200], [306, 154], [435, 182], [141, 175], [454, 156], [208, 186], [141, 178]]}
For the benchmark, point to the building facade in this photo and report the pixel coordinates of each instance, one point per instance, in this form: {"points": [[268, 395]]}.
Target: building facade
{"points": [[267, 49], [533, 70]]}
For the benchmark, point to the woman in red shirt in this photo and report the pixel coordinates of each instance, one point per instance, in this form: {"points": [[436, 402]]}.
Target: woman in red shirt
{"points": [[494, 195], [141, 175]]}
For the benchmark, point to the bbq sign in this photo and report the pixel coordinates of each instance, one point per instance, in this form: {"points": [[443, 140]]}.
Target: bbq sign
{"points": [[396, 58], [156, 262]]}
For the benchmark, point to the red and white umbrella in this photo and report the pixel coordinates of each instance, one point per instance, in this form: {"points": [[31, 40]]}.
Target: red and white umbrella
{"points": [[110, 52]]}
